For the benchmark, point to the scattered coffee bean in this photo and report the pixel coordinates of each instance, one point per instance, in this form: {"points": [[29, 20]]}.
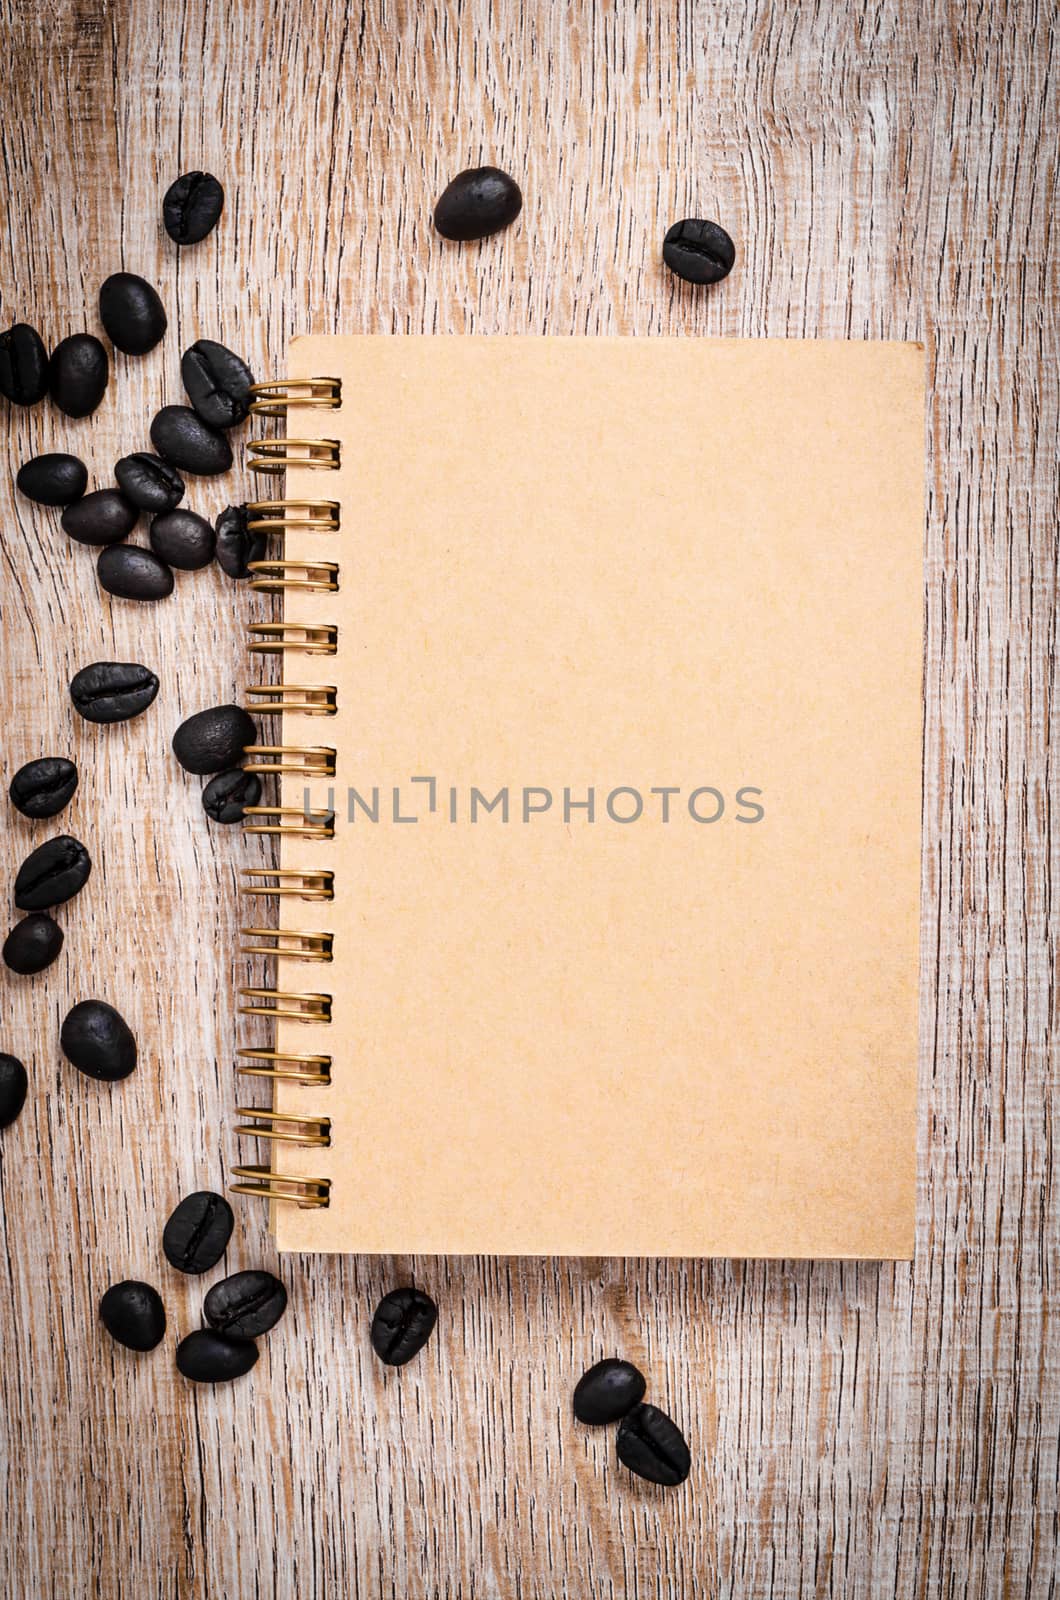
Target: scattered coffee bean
{"points": [[13, 1086], [246, 1304], [102, 517], [653, 1447], [132, 573], [53, 480], [607, 1391], [52, 873], [133, 1314], [197, 1233], [149, 482], [211, 740], [78, 374], [23, 365], [209, 1357], [478, 202], [217, 383], [236, 545], [699, 252], [33, 944], [132, 313], [186, 441], [183, 539], [98, 1041], [42, 788], [192, 207], [226, 797], [403, 1322], [112, 691]]}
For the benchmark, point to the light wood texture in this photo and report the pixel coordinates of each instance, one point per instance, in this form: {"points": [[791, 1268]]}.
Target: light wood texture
{"points": [[858, 1430]]}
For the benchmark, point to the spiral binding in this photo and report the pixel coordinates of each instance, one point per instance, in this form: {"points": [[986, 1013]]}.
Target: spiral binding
{"points": [[278, 576]]}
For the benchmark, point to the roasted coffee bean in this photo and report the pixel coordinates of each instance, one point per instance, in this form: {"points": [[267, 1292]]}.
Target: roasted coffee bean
{"points": [[607, 1391], [98, 1041], [192, 207], [403, 1322], [699, 252], [236, 545], [184, 439], [102, 517], [184, 539], [226, 797], [23, 365], [653, 1447], [149, 482], [53, 480], [246, 1304], [133, 1314], [52, 873], [132, 573], [197, 1233], [211, 740], [112, 691], [209, 1357], [33, 944], [478, 202], [217, 383], [132, 313], [13, 1086], [78, 374], [42, 788]]}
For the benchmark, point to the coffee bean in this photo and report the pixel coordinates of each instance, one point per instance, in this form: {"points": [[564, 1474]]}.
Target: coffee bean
{"points": [[236, 545], [133, 1314], [78, 374], [42, 788], [132, 573], [217, 383], [699, 252], [33, 944], [211, 740], [478, 202], [208, 1357], [192, 206], [23, 365], [184, 439], [13, 1086], [184, 539], [246, 1304], [403, 1322], [653, 1447], [53, 480], [112, 691], [132, 313], [98, 1041], [52, 873], [226, 797], [197, 1233], [149, 482], [102, 517], [607, 1391]]}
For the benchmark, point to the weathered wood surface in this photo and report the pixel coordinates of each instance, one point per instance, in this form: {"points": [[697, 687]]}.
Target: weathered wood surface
{"points": [[859, 1430]]}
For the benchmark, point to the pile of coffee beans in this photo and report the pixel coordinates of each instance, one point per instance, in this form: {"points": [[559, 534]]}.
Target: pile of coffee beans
{"points": [[648, 1442]]}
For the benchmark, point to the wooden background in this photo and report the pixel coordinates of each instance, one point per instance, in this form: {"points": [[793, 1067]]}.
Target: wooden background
{"points": [[887, 170]]}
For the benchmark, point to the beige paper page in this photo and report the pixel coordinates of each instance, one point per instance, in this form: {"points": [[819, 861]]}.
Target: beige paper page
{"points": [[621, 566]]}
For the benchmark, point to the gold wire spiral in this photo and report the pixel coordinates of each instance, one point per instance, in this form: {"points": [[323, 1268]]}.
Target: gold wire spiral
{"points": [[272, 399], [276, 516], [313, 824], [309, 760], [300, 945], [271, 577], [286, 1003], [307, 639], [276, 455], [293, 1128], [311, 699], [308, 1193], [278, 882], [314, 1070]]}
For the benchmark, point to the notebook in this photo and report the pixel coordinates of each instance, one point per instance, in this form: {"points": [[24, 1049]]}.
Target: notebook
{"points": [[600, 680]]}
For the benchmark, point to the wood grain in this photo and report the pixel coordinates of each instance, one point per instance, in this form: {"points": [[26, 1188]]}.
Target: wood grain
{"points": [[858, 1430]]}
